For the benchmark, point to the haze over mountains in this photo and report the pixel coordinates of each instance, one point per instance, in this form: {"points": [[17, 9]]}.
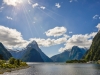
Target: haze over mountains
{"points": [[74, 53], [32, 53]]}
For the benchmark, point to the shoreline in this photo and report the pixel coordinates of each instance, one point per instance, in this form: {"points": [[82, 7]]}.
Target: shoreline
{"points": [[3, 70]]}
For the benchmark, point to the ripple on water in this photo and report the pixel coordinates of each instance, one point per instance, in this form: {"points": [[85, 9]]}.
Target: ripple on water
{"points": [[58, 69]]}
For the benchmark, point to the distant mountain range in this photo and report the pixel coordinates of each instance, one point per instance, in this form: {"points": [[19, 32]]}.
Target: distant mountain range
{"points": [[77, 53], [32, 53], [72, 54], [61, 57], [18, 54], [94, 52]]}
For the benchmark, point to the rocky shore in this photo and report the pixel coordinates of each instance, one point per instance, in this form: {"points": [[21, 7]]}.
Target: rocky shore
{"points": [[3, 70]]}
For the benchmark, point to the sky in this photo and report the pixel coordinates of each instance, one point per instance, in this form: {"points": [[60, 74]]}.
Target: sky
{"points": [[56, 25]]}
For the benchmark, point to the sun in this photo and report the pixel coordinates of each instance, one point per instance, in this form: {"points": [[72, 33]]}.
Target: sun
{"points": [[13, 2]]}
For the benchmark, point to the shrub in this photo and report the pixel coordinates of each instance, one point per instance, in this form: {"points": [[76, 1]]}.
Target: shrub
{"points": [[12, 60]]}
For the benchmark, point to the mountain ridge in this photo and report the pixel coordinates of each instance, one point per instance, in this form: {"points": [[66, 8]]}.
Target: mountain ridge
{"points": [[93, 53], [4, 53], [72, 54], [32, 55], [34, 46]]}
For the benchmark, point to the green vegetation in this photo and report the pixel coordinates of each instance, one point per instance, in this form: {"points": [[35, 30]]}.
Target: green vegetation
{"points": [[4, 53], [76, 61], [94, 51], [98, 62], [11, 64], [1, 57]]}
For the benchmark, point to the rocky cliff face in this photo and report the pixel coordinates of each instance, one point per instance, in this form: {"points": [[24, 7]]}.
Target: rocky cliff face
{"points": [[72, 54], [4, 53], [76, 53], [94, 51], [32, 55]]}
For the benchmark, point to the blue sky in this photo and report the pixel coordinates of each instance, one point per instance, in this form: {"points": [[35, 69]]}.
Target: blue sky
{"points": [[56, 25]]}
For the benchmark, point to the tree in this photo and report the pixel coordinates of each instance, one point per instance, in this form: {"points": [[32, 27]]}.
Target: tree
{"points": [[18, 62], [1, 57], [12, 60]]}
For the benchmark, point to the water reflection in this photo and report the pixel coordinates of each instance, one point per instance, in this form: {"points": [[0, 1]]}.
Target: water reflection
{"points": [[58, 69]]}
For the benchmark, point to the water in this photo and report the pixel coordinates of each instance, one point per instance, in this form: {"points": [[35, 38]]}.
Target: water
{"points": [[58, 69]]}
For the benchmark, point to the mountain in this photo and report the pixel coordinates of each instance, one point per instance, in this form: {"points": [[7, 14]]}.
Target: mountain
{"points": [[31, 52], [74, 53], [34, 45], [18, 54], [4, 53], [94, 52], [61, 57], [32, 55]]}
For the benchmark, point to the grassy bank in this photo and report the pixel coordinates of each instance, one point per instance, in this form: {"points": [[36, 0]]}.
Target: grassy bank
{"points": [[83, 61], [76, 61], [3, 70], [11, 65]]}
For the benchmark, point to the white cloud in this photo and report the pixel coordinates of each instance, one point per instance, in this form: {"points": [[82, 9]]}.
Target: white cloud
{"points": [[9, 18], [57, 31], [42, 7], [70, 32], [78, 40], [95, 16], [1, 9], [11, 37], [29, 2], [72, 0], [12, 2], [33, 22], [57, 5], [35, 5], [49, 42], [98, 26]]}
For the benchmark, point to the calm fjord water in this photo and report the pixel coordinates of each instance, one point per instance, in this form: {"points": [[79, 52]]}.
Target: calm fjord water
{"points": [[58, 69]]}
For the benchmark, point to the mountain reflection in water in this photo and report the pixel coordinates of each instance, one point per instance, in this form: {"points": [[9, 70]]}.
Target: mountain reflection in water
{"points": [[58, 69]]}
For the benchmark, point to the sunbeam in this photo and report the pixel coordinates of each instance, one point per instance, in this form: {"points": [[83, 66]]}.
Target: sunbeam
{"points": [[56, 31], [29, 17], [27, 20], [48, 15]]}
